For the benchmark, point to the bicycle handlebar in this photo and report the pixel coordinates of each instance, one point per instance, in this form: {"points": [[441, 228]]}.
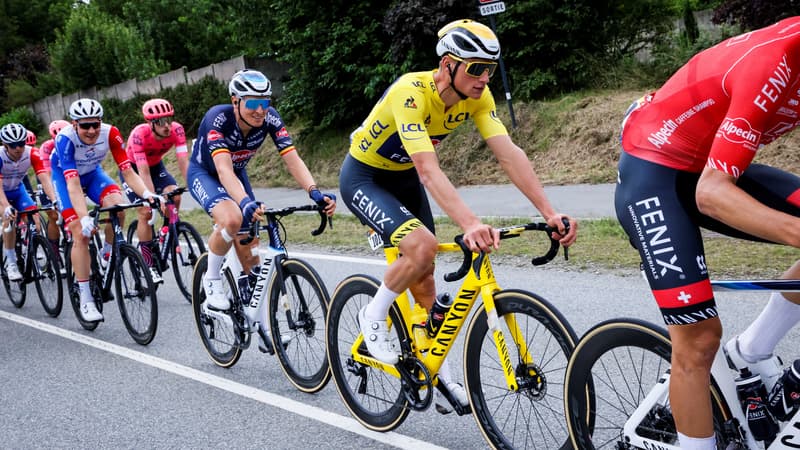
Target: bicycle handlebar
{"points": [[507, 233], [274, 214]]}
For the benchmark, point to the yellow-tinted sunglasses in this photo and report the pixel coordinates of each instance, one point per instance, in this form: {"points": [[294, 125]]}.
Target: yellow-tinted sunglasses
{"points": [[477, 68]]}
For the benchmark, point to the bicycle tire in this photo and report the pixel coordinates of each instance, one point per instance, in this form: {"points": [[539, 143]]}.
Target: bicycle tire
{"points": [[382, 406], [532, 416], [131, 234], [608, 355], [47, 276], [303, 359], [191, 246], [74, 293], [136, 295], [209, 327], [16, 290]]}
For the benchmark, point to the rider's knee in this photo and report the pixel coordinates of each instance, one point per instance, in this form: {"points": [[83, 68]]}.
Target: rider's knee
{"points": [[420, 247], [697, 349]]}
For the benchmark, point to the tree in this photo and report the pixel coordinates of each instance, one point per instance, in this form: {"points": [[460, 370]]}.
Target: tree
{"points": [[96, 49], [753, 14]]}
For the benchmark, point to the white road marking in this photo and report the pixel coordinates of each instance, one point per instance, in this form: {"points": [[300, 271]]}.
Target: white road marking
{"points": [[311, 412]]}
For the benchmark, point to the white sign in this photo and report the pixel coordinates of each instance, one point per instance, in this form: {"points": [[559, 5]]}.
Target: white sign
{"points": [[492, 8]]}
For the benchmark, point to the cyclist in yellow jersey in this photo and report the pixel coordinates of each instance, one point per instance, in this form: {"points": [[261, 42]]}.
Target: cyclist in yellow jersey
{"points": [[392, 162]]}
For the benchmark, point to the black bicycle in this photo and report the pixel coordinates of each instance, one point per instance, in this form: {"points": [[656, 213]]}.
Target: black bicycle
{"points": [[38, 264], [178, 242], [289, 299], [135, 293]]}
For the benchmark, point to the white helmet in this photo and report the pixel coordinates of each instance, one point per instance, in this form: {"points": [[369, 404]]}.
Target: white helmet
{"points": [[12, 133], [250, 82], [468, 39], [85, 108]]}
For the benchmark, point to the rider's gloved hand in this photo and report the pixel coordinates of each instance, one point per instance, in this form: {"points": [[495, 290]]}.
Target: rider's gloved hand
{"points": [[248, 207], [154, 200], [87, 226], [9, 211], [319, 197]]}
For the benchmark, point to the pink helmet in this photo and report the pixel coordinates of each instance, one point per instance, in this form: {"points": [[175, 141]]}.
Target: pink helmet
{"points": [[30, 139], [157, 108], [56, 126]]}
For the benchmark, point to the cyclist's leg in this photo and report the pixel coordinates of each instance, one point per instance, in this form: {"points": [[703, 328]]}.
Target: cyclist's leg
{"points": [[653, 206], [9, 230], [245, 252], [208, 192], [102, 190], [379, 205], [781, 191], [164, 182], [143, 230]]}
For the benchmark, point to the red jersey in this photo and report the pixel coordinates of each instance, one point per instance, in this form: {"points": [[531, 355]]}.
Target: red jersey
{"points": [[44, 154], [144, 147], [723, 105]]}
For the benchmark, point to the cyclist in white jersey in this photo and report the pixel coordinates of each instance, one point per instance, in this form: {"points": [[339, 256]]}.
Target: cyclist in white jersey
{"points": [[76, 170]]}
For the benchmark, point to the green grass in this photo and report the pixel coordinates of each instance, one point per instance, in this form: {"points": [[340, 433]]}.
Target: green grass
{"points": [[602, 246]]}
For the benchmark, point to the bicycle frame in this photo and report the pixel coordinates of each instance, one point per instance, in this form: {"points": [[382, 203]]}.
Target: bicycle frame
{"points": [[107, 275], [724, 378], [255, 308], [169, 220], [478, 279], [25, 239]]}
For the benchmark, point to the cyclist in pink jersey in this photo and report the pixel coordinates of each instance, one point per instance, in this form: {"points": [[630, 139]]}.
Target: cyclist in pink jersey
{"points": [[686, 164], [45, 177], [147, 145]]}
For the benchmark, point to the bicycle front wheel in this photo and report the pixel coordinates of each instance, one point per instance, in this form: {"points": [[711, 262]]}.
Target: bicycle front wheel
{"points": [[136, 295], [374, 397], [188, 246], [624, 359], [47, 276], [539, 342], [16, 290], [216, 329], [297, 323]]}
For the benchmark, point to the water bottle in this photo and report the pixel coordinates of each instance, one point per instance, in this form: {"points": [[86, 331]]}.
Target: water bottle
{"points": [[162, 234], [244, 287], [753, 395], [785, 396], [438, 311]]}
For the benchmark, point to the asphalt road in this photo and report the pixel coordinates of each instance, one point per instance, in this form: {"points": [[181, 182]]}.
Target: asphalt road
{"points": [[581, 200]]}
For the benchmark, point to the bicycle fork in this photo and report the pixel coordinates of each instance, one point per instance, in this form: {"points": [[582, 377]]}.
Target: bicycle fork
{"points": [[526, 375]]}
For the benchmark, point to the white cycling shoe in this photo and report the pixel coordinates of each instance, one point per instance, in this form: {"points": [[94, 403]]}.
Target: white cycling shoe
{"points": [[13, 272], [90, 313], [770, 367], [156, 277], [215, 295], [376, 336]]}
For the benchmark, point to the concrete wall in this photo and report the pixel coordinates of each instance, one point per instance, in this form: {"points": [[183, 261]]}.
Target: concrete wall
{"points": [[55, 106]]}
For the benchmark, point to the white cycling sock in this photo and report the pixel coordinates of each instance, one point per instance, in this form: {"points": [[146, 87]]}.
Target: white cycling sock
{"points": [[378, 308], [106, 248], [214, 265], [85, 291], [761, 337], [692, 443], [11, 254]]}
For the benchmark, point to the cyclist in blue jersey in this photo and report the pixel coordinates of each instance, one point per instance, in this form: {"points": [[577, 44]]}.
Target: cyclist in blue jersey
{"points": [[228, 137]]}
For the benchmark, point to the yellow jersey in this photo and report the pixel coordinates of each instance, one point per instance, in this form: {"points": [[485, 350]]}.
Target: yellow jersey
{"points": [[411, 118]]}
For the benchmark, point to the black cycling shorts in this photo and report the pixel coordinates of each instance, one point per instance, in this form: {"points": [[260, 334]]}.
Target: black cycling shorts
{"points": [[393, 203], [656, 206]]}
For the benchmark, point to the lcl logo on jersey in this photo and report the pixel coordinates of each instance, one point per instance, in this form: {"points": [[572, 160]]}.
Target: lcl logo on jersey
{"points": [[739, 131]]}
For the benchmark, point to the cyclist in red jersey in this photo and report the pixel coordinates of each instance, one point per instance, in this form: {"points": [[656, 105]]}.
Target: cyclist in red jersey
{"points": [[45, 177], [686, 164], [147, 145]]}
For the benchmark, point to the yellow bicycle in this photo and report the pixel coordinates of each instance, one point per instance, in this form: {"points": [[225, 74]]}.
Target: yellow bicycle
{"points": [[515, 356]]}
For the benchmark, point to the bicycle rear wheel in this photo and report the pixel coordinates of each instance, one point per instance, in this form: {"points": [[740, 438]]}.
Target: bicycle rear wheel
{"points": [[374, 397], [47, 276], [532, 416], [624, 359], [299, 317], [188, 248], [217, 331], [16, 290], [136, 295], [74, 293]]}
